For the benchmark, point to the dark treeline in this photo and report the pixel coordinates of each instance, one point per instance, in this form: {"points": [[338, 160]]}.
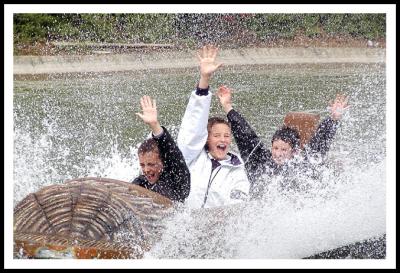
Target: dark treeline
{"points": [[191, 29]]}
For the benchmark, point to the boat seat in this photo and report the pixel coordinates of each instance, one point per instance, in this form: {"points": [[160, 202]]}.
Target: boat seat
{"points": [[305, 123]]}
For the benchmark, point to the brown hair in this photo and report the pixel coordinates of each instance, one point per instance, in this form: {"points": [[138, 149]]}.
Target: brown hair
{"points": [[149, 145], [288, 135], [211, 122], [216, 120]]}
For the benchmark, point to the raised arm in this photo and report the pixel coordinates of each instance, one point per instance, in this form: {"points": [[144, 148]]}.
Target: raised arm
{"points": [[149, 115], [178, 186], [174, 165], [338, 106], [208, 64], [326, 131], [193, 133], [246, 138]]}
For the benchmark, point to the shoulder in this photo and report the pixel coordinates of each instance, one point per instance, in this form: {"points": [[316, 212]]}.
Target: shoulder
{"points": [[140, 180], [235, 160]]}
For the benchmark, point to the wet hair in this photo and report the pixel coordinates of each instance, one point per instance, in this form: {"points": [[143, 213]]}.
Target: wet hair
{"points": [[149, 145], [215, 120], [287, 135]]}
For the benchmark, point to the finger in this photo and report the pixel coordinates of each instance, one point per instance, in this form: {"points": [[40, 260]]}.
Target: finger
{"points": [[219, 65], [209, 51], [214, 52], [224, 88], [201, 52], [199, 57], [340, 101], [221, 95], [205, 51], [147, 101], [154, 104], [340, 98], [142, 102], [346, 100], [139, 115]]}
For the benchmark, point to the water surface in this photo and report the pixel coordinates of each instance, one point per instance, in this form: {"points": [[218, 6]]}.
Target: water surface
{"points": [[77, 125]]}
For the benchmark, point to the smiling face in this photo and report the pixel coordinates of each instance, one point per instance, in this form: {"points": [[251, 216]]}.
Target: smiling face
{"points": [[151, 165], [219, 140], [281, 151]]}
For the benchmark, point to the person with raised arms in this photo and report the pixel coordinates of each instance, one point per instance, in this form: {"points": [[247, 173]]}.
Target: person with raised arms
{"points": [[218, 175], [162, 164], [284, 157]]}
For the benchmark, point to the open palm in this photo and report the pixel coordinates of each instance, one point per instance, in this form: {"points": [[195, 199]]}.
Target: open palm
{"points": [[149, 110], [207, 56], [225, 95], [338, 106]]}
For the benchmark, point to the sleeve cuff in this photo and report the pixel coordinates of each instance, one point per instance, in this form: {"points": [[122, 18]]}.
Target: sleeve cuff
{"points": [[201, 91], [230, 113], [159, 135]]}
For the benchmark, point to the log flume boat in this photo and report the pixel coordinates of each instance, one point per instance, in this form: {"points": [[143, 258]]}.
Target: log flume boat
{"points": [[89, 218]]}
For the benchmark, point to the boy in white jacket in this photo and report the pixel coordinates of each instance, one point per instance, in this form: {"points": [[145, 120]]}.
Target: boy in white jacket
{"points": [[218, 177]]}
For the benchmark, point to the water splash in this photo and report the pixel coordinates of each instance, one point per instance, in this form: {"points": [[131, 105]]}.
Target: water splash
{"points": [[347, 205], [32, 154], [288, 226]]}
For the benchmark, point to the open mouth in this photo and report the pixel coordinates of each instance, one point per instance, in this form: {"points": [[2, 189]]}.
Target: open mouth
{"points": [[221, 147], [150, 177], [280, 160]]}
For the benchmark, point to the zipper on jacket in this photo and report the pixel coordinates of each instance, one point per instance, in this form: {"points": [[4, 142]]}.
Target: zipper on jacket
{"points": [[209, 185]]}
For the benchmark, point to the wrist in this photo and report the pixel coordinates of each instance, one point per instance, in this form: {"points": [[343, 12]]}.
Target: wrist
{"points": [[157, 136], [155, 128], [203, 83], [227, 108]]}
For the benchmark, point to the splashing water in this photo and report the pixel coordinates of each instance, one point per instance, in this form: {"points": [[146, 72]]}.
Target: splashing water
{"points": [[37, 153], [346, 205], [283, 225]]}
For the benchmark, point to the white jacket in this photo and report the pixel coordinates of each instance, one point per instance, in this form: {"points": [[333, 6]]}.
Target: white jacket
{"points": [[228, 183]]}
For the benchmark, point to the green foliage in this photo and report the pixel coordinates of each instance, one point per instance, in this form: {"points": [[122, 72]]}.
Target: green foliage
{"points": [[370, 26], [29, 28], [311, 23], [32, 27], [189, 28], [268, 26]]}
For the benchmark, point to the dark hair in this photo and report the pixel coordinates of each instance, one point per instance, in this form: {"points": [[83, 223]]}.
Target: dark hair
{"points": [[149, 145], [216, 120], [287, 135]]}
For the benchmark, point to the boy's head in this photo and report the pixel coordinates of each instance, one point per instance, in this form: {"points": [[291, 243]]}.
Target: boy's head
{"points": [[219, 137], [150, 160], [285, 143]]}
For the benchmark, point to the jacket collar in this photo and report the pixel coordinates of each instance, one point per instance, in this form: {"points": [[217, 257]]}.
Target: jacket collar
{"points": [[230, 160]]}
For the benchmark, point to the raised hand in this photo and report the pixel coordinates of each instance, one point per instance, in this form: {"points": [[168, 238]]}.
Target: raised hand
{"points": [[208, 65], [224, 95], [338, 106], [149, 115]]}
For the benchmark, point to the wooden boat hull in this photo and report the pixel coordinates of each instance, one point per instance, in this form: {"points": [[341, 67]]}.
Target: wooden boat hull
{"points": [[89, 218]]}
